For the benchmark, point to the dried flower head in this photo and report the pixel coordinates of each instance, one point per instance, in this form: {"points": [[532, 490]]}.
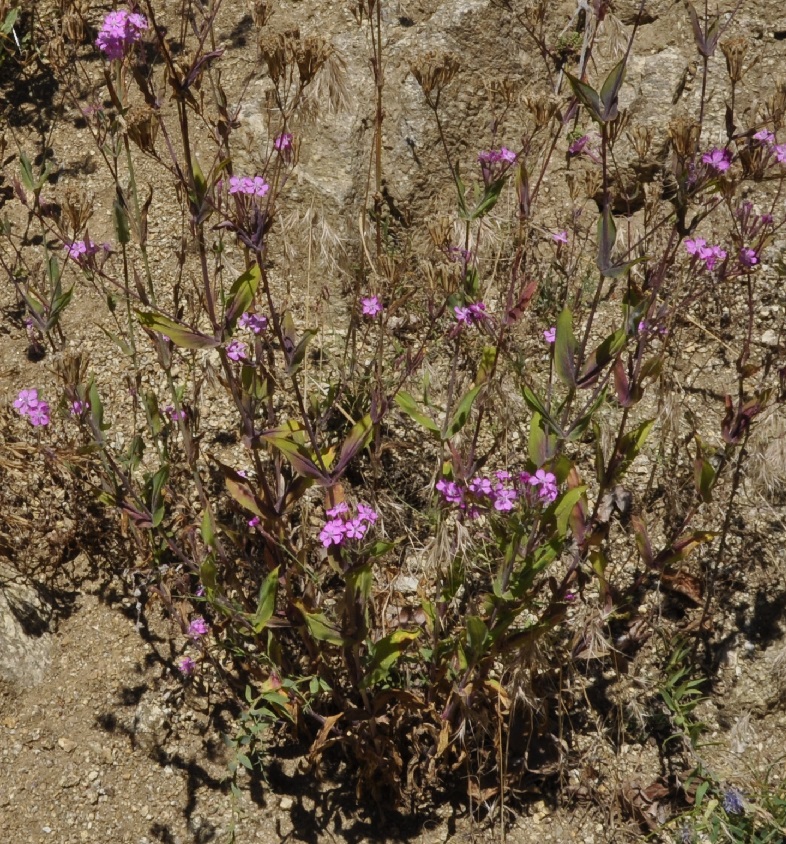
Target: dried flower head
{"points": [[433, 72], [142, 127], [734, 49], [684, 133]]}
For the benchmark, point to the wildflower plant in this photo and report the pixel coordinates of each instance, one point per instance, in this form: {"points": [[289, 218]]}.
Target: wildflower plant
{"points": [[277, 555]]}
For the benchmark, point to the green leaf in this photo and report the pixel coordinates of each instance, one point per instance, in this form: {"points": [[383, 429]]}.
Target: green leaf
{"points": [[319, 626], [120, 219], [462, 412], [630, 446], [487, 201], [119, 341], [156, 502], [96, 408], [296, 453], [609, 93], [266, 604], [599, 359], [542, 445], [587, 96], [384, 655], [27, 171], [565, 349], [537, 405], [607, 237], [59, 304], [208, 572], [357, 439], [408, 404], [254, 385], [488, 360], [565, 507], [179, 334], [242, 294], [477, 636], [208, 528], [295, 360]]}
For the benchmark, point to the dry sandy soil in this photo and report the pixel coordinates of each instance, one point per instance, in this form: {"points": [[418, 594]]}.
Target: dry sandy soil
{"points": [[100, 738]]}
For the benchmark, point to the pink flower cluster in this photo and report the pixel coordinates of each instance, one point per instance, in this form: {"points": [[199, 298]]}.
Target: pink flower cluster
{"points": [[36, 410], [501, 493], [119, 31], [255, 323], [252, 186], [343, 525], [698, 248], [471, 314]]}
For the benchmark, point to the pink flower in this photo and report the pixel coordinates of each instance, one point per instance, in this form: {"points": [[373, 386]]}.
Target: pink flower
{"points": [[367, 514], [548, 485], [765, 136], [119, 31], [333, 533], [694, 246], [451, 491], [355, 529], [174, 414], [253, 322], [717, 159], [470, 314], [198, 628], [550, 334], [711, 255], [338, 510], [283, 143], [480, 487], [26, 401], [780, 152], [251, 186], [237, 350], [39, 415], [748, 257], [504, 498], [186, 666], [254, 522], [77, 408], [560, 237], [371, 306], [81, 250]]}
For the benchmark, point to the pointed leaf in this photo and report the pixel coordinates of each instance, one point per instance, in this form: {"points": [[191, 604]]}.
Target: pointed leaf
{"points": [[601, 357], [266, 604], [320, 626], [357, 439], [408, 404], [565, 349], [587, 96], [179, 334], [462, 412], [537, 405], [609, 93], [242, 294], [385, 653]]}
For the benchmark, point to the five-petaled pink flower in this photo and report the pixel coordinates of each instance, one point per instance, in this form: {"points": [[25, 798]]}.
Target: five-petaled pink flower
{"points": [[81, 250], [237, 350], [560, 237], [550, 334], [371, 306], [764, 136], [718, 159], [333, 533]]}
